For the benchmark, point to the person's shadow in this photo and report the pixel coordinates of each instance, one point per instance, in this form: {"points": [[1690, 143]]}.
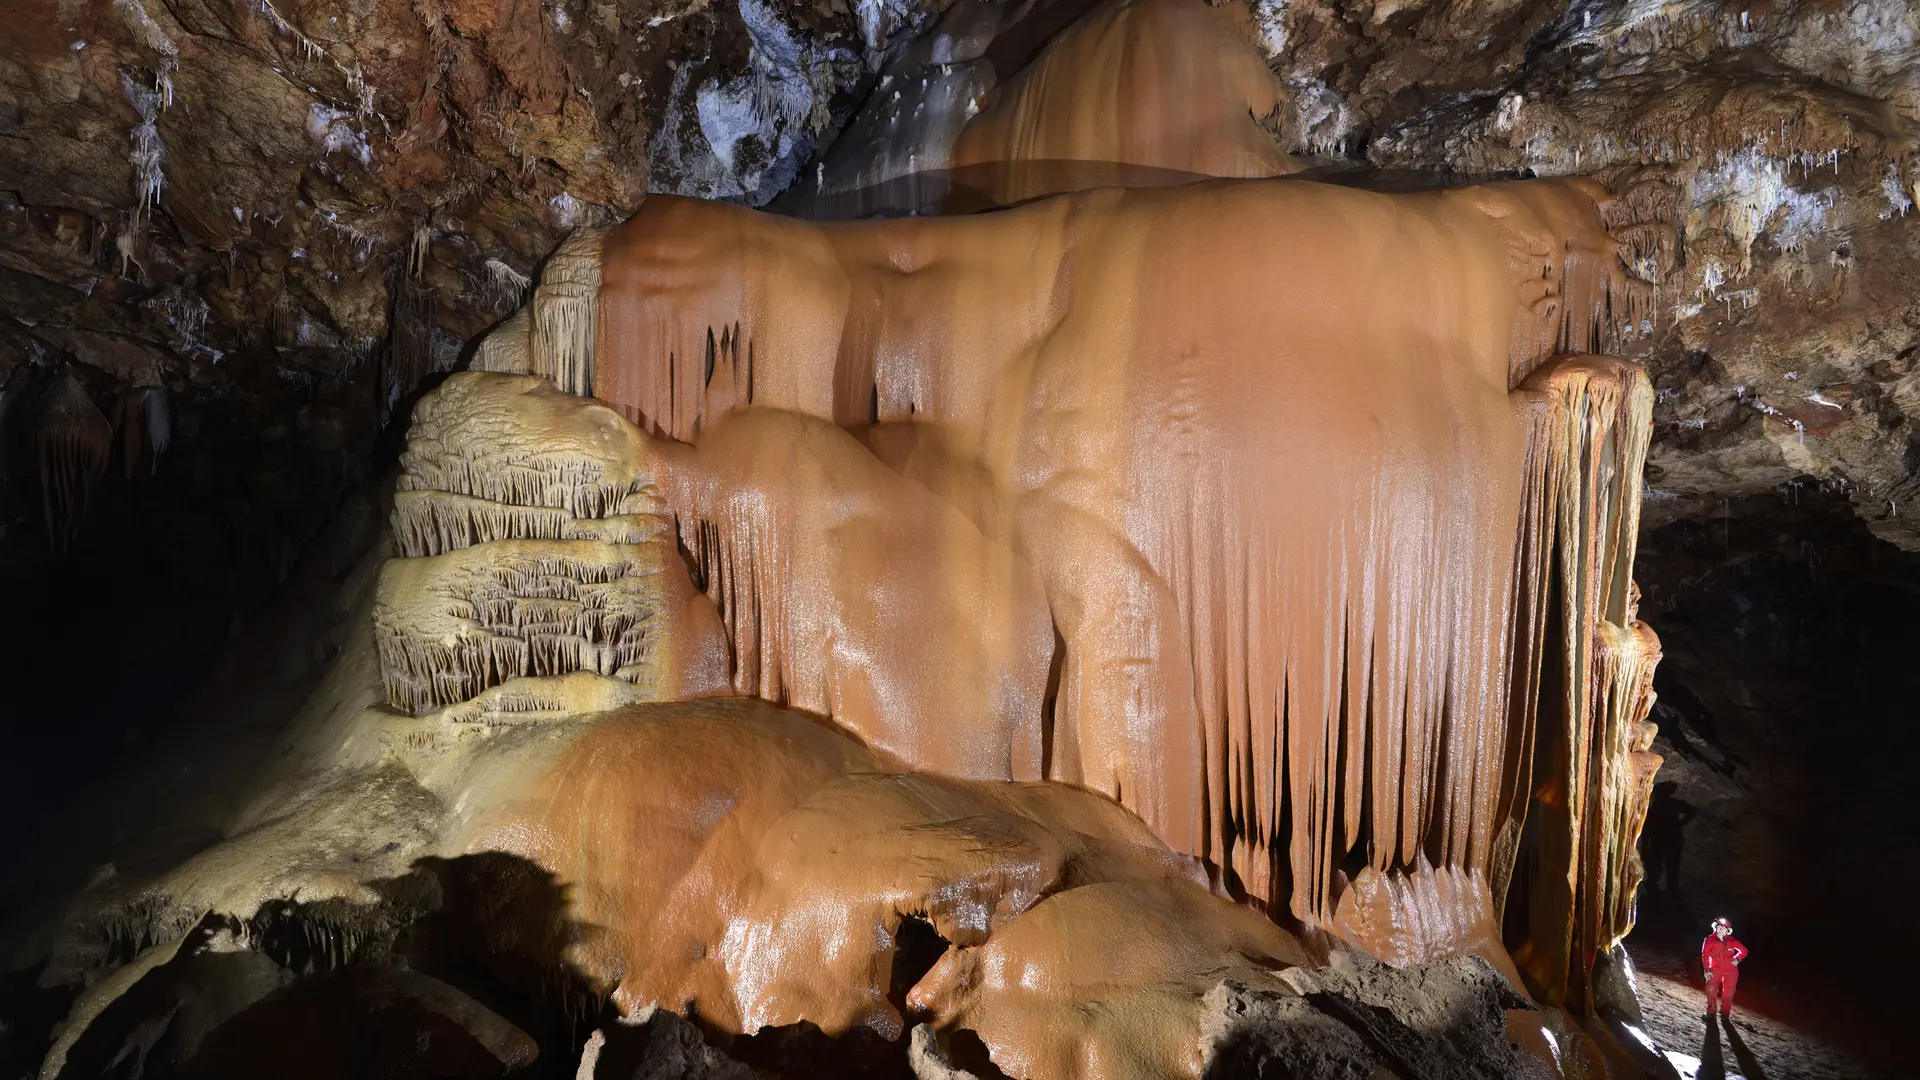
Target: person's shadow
{"points": [[1712, 1066], [1749, 1065]]}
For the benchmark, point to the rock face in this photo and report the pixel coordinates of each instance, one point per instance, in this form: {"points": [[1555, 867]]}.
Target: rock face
{"points": [[301, 190]]}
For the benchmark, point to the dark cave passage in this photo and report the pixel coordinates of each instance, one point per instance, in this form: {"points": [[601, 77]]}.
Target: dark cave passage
{"points": [[1786, 804]]}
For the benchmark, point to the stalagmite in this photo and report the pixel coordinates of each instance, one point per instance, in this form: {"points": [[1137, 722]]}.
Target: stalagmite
{"points": [[73, 441], [508, 348]]}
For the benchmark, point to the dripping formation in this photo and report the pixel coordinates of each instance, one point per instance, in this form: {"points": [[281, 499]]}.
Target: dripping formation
{"points": [[1385, 675], [530, 549], [73, 441], [145, 421], [1587, 449], [1036, 690], [563, 324]]}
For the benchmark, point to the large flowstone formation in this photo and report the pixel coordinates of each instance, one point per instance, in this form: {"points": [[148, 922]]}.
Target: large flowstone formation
{"points": [[1342, 588]]}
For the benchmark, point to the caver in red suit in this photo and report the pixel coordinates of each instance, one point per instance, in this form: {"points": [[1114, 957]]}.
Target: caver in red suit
{"points": [[1720, 957]]}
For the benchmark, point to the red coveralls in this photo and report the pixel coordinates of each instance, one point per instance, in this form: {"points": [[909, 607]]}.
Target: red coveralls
{"points": [[1717, 959]]}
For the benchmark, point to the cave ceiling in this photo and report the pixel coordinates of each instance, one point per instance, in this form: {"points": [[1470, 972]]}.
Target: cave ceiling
{"points": [[224, 199]]}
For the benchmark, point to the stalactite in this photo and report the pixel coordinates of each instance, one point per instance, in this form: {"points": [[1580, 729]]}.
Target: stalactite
{"points": [[1578, 295], [73, 441], [538, 699], [434, 522], [519, 442], [1592, 418], [145, 421], [409, 345], [504, 288], [157, 410], [451, 626], [564, 310], [1624, 697]]}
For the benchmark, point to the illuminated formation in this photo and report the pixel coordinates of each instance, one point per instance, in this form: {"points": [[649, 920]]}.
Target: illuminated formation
{"points": [[1314, 555]]}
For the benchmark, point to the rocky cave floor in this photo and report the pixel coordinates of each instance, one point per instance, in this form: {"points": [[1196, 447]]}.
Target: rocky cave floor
{"points": [[1757, 1045]]}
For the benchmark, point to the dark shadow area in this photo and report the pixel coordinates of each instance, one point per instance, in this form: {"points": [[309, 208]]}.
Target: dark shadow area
{"points": [[969, 1053], [1749, 1064], [458, 971], [28, 1013], [119, 645], [661, 1045], [802, 1050], [1713, 1064], [1662, 840], [354, 1024], [917, 946]]}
